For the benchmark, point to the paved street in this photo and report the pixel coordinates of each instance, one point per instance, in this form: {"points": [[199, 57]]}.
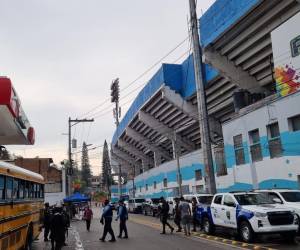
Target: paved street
{"points": [[144, 233]]}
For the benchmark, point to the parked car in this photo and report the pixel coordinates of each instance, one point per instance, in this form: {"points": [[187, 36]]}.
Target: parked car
{"points": [[248, 214], [287, 197], [150, 207], [135, 205], [200, 198]]}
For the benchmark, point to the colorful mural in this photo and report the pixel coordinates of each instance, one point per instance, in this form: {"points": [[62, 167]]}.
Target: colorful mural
{"points": [[287, 80]]}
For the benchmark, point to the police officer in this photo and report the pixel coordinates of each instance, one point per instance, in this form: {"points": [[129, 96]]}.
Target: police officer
{"points": [[57, 229], [47, 219], [106, 219], [123, 216]]}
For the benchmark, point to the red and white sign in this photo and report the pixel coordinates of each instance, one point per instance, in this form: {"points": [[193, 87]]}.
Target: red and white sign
{"points": [[15, 128]]}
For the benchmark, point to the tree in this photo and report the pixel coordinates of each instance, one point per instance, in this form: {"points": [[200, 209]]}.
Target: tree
{"points": [[4, 153], [85, 166], [106, 180]]}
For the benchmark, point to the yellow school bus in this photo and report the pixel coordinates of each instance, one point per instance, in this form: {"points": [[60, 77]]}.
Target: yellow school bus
{"points": [[21, 206]]}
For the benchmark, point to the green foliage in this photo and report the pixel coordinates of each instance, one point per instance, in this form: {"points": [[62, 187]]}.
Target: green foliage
{"points": [[85, 166]]}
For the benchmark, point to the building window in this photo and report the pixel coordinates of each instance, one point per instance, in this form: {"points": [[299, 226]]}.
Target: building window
{"points": [[198, 174], [295, 46], [165, 182], [198, 189], [274, 140], [220, 160], [294, 123], [140, 189], [239, 149], [146, 187], [255, 147], [154, 184]]}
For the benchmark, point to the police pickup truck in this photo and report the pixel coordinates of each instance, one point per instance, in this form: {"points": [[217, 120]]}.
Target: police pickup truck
{"points": [[248, 214]]}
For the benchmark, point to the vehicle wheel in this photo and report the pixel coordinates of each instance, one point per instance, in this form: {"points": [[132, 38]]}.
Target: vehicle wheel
{"points": [[29, 239], [208, 228], [289, 236], [246, 233]]}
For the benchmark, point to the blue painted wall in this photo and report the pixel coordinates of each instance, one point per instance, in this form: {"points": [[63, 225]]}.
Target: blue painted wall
{"points": [[222, 15]]}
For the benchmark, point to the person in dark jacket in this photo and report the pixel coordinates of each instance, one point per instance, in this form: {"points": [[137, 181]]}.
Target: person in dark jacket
{"points": [[106, 219], [194, 213], [57, 229], [164, 215], [47, 220], [66, 223], [123, 216], [177, 215]]}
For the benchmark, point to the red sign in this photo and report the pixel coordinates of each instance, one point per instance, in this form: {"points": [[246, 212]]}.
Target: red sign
{"points": [[8, 97]]}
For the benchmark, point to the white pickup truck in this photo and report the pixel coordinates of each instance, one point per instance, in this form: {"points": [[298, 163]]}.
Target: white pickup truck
{"points": [[289, 198], [248, 214]]}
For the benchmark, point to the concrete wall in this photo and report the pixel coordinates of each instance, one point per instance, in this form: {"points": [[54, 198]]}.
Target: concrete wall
{"points": [[57, 197], [271, 172]]}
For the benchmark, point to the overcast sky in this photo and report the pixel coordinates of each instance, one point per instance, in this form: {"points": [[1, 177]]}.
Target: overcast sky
{"points": [[62, 55]]}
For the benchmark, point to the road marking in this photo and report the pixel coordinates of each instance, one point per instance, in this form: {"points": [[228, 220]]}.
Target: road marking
{"points": [[220, 240], [78, 243]]}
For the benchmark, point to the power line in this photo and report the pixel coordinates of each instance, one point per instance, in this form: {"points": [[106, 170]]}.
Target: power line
{"points": [[136, 79]]}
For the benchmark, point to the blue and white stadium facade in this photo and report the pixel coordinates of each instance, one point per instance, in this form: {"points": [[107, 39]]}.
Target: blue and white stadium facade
{"points": [[252, 60]]}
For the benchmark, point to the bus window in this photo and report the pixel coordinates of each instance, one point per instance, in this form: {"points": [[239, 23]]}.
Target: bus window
{"points": [[15, 189], [9, 187], [2, 189], [26, 190], [37, 193], [31, 188], [21, 189], [42, 191]]}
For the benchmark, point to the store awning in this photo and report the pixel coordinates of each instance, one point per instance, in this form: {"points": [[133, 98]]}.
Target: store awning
{"points": [[77, 197]]}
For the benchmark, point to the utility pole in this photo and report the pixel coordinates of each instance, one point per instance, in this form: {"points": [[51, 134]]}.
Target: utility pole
{"points": [[133, 185], [70, 170], [201, 100], [176, 152], [115, 96]]}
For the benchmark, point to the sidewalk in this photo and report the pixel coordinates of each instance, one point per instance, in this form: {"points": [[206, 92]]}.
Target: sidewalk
{"points": [[73, 241]]}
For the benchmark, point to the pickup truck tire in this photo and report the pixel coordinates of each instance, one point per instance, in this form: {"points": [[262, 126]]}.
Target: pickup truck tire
{"points": [[246, 233], [289, 236], [208, 227]]}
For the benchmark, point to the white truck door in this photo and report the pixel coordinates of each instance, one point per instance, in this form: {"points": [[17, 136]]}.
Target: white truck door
{"points": [[216, 208], [229, 211]]}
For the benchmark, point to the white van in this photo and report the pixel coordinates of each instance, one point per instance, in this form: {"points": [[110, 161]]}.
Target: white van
{"points": [[135, 205]]}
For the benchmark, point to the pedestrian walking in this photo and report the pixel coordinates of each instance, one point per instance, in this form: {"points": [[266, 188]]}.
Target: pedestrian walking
{"points": [[194, 214], [123, 216], [177, 215], [185, 212], [67, 222], [106, 219], [164, 215], [47, 220], [57, 229], [88, 216]]}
